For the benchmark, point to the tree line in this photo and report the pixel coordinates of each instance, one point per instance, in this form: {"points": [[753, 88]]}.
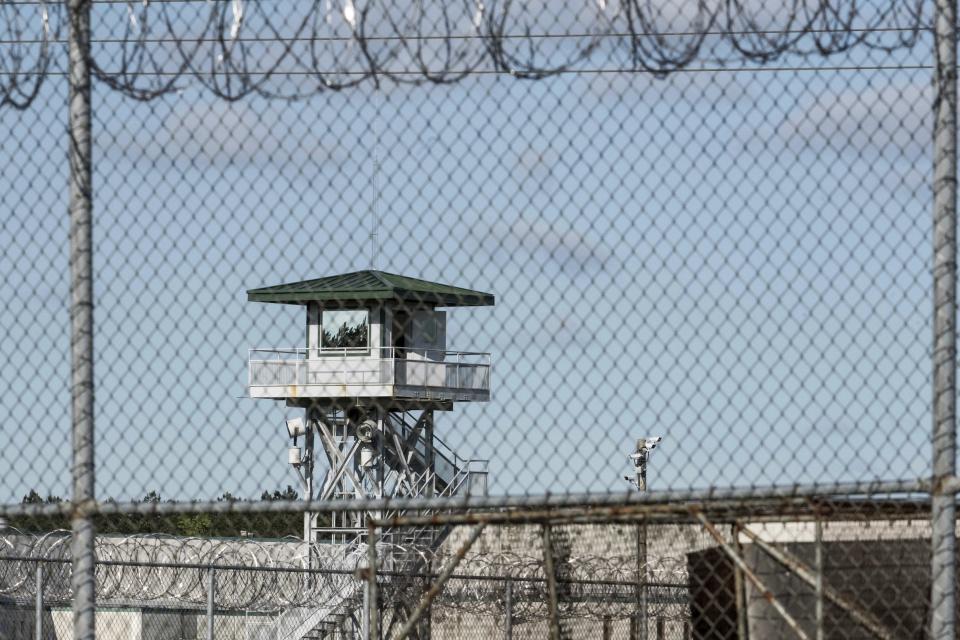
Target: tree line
{"points": [[206, 524]]}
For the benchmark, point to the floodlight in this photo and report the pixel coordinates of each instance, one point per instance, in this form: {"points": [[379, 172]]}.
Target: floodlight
{"points": [[365, 431], [296, 427], [365, 434]]}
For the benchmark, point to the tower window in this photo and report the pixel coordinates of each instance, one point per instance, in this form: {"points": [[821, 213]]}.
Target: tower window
{"points": [[345, 329]]}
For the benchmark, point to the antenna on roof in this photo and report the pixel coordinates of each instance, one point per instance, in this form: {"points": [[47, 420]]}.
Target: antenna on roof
{"points": [[375, 230]]}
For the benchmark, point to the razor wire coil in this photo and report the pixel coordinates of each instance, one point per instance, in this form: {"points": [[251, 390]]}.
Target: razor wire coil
{"points": [[278, 575], [236, 48]]}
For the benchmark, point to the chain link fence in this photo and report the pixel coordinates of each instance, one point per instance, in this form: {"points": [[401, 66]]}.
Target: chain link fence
{"points": [[596, 319], [836, 568]]}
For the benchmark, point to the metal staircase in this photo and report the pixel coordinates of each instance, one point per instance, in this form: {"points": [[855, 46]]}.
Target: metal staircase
{"points": [[299, 623], [446, 475]]}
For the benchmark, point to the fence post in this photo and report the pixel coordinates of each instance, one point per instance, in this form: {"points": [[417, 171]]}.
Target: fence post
{"points": [[943, 516], [38, 623], [373, 623], [818, 562], [508, 613], [211, 594], [644, 623], [740, 587], [81, 317], [365, 614], [551, 576]]}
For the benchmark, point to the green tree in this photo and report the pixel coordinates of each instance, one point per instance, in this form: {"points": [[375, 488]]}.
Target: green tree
{"points": [[287, 494], [194, 524]]}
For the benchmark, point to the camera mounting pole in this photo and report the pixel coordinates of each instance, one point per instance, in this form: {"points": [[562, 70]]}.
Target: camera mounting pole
{"points": [[644, 447]]}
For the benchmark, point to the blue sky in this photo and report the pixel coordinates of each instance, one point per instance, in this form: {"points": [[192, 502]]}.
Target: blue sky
{"points": [[737, 261]]}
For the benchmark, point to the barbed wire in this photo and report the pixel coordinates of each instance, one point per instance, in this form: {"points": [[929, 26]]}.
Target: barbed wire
{"points": [[578, 600], [269, 575], [159, 568], [235, 48], [595, 586], [25, 62]]}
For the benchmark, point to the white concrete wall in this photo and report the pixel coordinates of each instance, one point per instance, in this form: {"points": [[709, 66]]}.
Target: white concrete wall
{"points": [[376, 330], [139, 624], [123, 623], [313, 325], [20, 624], [171, 625]]}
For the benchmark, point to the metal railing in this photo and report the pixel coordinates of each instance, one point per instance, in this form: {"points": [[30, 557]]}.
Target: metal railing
{"points": [[323, 367]]}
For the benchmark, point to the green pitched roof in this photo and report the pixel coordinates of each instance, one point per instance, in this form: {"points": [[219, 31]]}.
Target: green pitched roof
{"points": [[367, 286]]}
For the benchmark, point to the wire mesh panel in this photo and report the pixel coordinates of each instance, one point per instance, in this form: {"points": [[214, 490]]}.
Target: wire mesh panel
{"points": [[296, 297], [835, 569], [736, 259]]}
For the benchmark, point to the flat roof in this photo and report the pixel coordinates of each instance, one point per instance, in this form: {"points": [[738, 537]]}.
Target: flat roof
{"points": [[370, 286]]}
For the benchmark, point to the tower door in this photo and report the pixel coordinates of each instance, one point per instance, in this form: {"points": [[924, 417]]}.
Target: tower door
{"points": [[398, 336], [401, 326]]}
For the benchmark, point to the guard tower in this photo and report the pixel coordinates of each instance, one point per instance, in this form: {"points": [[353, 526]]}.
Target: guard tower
{"points": [[373, 371]]}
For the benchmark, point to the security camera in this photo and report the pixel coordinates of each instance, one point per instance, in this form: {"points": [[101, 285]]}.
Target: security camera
{"points": [[645, 446], [640, 457]]}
